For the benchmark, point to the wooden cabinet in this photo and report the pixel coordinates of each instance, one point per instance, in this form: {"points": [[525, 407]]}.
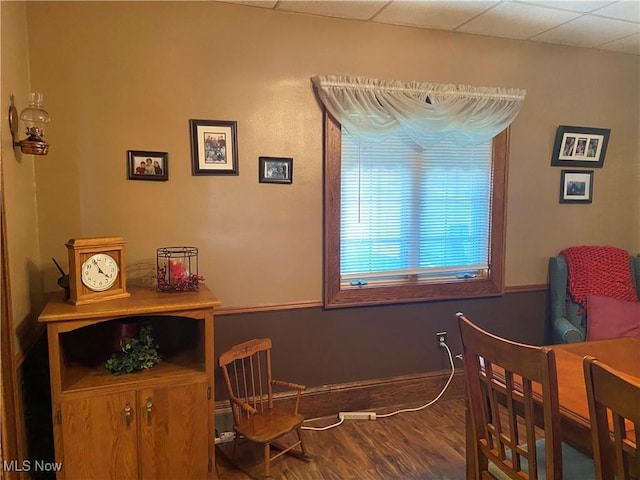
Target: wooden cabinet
{"points": [[155, 424]]}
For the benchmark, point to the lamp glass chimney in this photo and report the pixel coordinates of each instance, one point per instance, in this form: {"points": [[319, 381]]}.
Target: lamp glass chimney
{"points": [[35, 117]]}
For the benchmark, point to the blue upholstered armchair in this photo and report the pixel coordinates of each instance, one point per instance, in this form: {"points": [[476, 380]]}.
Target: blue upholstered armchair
{"points": [[567, 324]]}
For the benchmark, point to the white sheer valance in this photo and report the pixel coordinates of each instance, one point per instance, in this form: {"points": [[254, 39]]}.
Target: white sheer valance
{"points": [[373, 109]]}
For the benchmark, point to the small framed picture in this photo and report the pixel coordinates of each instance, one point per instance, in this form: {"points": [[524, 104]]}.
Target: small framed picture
{"points": [[580, 147], [214, 147], [275, 170], [142, 165], [576, 186]]}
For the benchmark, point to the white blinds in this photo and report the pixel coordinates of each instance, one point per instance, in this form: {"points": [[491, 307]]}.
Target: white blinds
{"points": [[412, 211]]}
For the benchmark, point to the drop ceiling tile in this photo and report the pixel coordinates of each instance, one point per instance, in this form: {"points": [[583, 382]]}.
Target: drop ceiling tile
{"points": [[607, 24], [625, 10], [358, 10], [440, 15], [588, 31], [516, 20], [630, 44], [581, 6], [254, 3]]}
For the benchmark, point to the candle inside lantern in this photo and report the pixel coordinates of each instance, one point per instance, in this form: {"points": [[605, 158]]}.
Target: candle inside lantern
{"points": [[177, 271]]}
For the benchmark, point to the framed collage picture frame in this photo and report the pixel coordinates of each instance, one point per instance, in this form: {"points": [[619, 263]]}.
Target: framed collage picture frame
{"points": [[580, 147]]}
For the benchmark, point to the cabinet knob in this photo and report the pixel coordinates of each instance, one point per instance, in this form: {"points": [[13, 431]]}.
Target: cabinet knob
{"points": [[127, 413], [149, 406]]}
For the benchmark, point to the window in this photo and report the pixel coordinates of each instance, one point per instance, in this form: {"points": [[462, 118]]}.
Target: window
{"points": [[415, 189], [405, 223]]}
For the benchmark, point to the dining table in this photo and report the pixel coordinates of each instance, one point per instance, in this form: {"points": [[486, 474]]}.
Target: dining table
{"points": [[622, 354]]}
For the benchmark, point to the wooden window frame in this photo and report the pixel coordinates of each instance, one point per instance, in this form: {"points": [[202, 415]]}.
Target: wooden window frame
{"points": [[337, 295]]}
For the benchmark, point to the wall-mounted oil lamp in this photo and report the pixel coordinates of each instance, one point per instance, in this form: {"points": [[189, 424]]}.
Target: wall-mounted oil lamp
{"points": [[34, 118]]}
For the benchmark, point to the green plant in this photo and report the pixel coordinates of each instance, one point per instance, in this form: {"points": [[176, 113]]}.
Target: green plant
{"points": [[138, 353]]}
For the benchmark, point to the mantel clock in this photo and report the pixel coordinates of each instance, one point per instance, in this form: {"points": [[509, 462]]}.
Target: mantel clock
{"points": [[96, 269]]}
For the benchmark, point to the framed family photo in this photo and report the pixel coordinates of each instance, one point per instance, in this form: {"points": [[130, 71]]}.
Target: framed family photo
{"points": [[580, 146], [275, 170], [214, 147], [576, 186], [143, 165]]}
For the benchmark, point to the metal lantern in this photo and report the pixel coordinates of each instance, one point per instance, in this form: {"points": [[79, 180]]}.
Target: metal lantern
{"points": [[177, 269]]}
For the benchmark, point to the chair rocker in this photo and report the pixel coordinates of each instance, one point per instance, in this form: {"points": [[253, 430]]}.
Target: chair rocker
{"points": [[246, 368]]}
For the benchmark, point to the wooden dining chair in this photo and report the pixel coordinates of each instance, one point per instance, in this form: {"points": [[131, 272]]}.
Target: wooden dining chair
{"points": [[612, 395], [508, 385], [247, 375]]}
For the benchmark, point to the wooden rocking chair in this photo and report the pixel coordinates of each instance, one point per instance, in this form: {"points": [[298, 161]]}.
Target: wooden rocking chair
{"points": [[247, 374]]}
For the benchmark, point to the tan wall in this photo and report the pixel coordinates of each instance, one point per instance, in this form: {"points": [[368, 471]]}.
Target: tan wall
{"points": [[128, 76], [18, 172]]}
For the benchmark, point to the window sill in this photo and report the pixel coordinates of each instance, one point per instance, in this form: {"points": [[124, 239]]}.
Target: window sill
{"points": [[379, 294]]}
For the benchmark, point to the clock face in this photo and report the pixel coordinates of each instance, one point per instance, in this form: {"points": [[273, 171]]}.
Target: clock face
{"points": [[99, 272]]}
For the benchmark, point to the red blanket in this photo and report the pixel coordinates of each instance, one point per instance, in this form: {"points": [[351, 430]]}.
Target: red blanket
{"points": [[599, 271]]}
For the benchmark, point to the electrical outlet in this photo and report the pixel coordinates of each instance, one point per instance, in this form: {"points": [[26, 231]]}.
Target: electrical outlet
{"points": [[357, 415], [441, 338]]}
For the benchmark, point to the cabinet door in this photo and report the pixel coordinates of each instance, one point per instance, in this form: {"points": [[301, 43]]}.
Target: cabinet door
{"points": [[99, 437], [173, 432]]}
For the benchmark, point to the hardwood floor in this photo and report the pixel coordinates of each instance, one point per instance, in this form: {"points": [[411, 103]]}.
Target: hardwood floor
{"points": [[424, 445]]}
